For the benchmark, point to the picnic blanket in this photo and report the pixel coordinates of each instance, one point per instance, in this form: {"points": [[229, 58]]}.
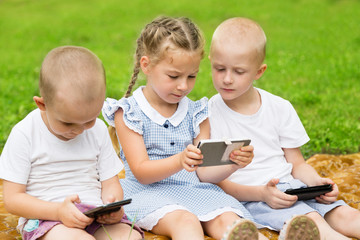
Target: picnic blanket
{"points": [[343, 169]]}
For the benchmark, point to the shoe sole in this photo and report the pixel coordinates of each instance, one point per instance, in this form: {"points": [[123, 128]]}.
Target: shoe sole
{"points": [[242, 230], [302, 228]]}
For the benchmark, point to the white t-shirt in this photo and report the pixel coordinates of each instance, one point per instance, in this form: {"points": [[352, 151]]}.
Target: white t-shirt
{"points": [[53, 169], [276, 125]]}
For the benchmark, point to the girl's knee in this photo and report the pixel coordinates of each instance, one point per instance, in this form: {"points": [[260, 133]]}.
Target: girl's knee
{"points": [[179, 223], [180, 217], [227, 218], [222, 221], [188, 218]]}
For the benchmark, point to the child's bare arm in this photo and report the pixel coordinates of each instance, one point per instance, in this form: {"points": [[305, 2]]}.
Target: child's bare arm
{"points": [[308, 175], [19, 203], [216, 174], [241, 192], [111, 188], [111, 191], [204, 132], [267, 193], [145, 171], [301, 170]]}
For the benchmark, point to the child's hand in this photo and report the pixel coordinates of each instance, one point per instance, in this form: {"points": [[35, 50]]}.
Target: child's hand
{"points": [[275, 198], [190, 158], [243, 156], [113, 217], [70, 215], [329, 197]]}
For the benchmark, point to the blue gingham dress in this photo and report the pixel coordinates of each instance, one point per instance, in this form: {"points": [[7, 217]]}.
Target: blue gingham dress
{"points": [[164, 137]]}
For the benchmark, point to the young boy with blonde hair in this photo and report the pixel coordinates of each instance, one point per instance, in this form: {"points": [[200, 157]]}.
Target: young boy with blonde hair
{"points": [[240, 110], [59, 161]]}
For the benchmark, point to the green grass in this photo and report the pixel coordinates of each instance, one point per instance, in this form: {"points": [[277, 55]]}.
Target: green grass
{"points": [[313, 53]]}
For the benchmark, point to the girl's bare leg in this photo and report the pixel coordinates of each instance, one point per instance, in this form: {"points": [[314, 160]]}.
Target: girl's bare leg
{"points": [[180, 225], [217, 227]]}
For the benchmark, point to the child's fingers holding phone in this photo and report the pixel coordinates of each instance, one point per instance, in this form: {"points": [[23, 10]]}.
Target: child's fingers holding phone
{"points": [[191, 158], [111, 218], [70, 215], [328, 197], [274, 197], [243, 156], [248, 149]]}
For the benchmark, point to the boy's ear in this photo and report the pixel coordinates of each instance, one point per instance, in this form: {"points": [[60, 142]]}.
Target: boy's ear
{"points": [[145, 64], [260, 71], [40, 103]]}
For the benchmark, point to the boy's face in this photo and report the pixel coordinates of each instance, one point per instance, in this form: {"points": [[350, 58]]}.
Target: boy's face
{"points": [[234, 67], [67, 118]]}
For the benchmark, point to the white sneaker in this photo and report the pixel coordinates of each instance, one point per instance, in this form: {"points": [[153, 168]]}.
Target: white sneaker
{"points": [[241, 229], [300, 227]]}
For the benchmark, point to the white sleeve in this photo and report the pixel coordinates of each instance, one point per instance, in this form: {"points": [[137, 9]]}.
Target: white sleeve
{"points": [[292, 133], [15, 164]]}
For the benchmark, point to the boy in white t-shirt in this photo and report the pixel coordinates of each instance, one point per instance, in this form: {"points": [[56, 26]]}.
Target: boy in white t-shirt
{"points": [[241, 110], [59, 161]]}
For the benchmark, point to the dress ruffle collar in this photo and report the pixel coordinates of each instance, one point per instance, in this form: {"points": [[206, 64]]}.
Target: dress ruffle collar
{"points": [[154, 115]]}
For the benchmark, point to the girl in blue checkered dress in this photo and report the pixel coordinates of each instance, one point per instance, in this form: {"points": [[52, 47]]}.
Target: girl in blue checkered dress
{"points": [[158, 128]]}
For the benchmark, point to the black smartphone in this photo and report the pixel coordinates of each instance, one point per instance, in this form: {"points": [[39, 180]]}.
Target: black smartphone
{"points": [[108, 208], [307, 193]]}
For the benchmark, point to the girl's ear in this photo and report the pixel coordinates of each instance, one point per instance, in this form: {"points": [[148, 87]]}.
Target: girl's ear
{"points": [[40, 103], [145, 64], [260, 71]]}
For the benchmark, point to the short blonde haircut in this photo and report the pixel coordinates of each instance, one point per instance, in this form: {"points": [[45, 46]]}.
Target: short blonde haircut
{"points": [[77, 68], [240, 29]]}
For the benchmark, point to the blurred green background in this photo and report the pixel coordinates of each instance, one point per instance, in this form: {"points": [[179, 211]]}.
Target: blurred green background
{"points": [[313, 53]]}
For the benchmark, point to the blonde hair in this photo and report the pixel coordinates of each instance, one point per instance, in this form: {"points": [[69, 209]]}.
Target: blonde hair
{"points": [[180, 33], [76, 66], [239, 29]]}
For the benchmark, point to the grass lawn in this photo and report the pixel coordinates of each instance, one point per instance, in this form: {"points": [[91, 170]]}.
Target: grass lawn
{"points": [[313, 53]]}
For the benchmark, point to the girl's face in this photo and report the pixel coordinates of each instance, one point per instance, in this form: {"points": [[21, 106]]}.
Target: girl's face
{"points": [[173, 77]]}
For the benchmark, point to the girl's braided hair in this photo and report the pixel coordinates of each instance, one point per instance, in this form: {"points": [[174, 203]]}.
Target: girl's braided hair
{"points": [[155, 39]]}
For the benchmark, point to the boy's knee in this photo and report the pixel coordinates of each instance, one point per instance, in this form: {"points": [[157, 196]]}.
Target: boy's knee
{"points": [[88, 237], [345, 213], [83, 236], [135, 235], [317, 218]]}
